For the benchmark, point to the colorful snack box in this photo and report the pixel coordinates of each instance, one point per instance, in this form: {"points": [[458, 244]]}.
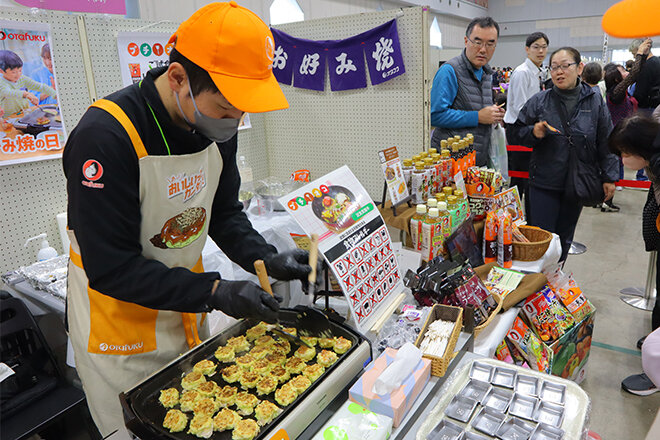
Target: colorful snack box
{"points": [[536, 352], [547, 315]]}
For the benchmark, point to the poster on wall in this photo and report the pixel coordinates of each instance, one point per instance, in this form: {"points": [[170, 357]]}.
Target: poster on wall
{"points": [[353, 239], [31, 123], [393, 172]]}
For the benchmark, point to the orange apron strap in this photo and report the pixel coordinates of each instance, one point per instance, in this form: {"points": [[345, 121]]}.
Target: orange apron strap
{"points": [[190, 319], [125, 122]]}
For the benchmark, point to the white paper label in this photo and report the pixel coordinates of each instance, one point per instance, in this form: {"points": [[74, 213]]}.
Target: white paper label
{"points": [[5, 371]]}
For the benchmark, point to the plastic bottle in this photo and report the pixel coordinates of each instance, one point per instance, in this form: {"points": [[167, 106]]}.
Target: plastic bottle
{"points": [[418, 180], [454, 212], [455, 158], [433, 151], [407, 172], [423, 155], [416, 158], [490, 238], [430, 169], [441, 197], [445, 220], [448, 191], [438, 173], [431, 203], [416, 227], [429, 231], [443, 145], [45, 252], [245, 171], [463, 205], [473, 152]]}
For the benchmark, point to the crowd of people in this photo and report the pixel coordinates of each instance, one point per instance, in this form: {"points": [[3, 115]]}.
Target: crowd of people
{"points": [[583, 123]]}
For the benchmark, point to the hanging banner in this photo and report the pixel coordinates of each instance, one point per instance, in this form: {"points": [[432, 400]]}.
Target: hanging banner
{"points": [[93, 6], [31, 124], [353, 239], [304, 61]]}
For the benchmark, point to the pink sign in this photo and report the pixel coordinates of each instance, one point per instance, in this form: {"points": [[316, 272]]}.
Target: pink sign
{"points": [[95, 6]]}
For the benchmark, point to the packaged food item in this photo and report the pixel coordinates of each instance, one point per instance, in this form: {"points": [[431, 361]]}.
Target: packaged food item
{"points": [[445, 220], [454, 211], [407, 173], [503, 281], [446, 176], [502, 353], [490, 238], [431, 172], [439, 183], [536, 353], [463, 204], [548, 316], [519, 236], [419, 183], [430, 232], [504, 239], [416, 226]]}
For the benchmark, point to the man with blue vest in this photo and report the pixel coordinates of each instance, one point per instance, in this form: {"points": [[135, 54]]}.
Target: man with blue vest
{"points": [[462, 97]]}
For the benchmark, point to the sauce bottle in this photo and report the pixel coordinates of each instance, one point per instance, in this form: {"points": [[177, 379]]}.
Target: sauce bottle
{"points": [[416, 227], [430, 169], [441, 197], [446, 174], [430, 234], [445, 220], [407, 172], [455, 158], [463, 205], [448, 191], [454, 212], [431, 203], [418, 180], [473, 153], [433, 151], [443, 145], [490, 238], [423, 155]]}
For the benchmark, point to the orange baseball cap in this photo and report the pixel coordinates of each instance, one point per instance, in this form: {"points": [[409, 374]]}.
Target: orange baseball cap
{"points": [[236, 48], [633, 19]]}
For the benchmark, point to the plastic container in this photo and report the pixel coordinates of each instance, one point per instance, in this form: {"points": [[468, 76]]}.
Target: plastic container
{"points": [[407, 172], [418, 181], [430, 232], [245, 171], [463, 205], [454, 211], [416, 227], [445, 220], [45, 252], [433, 177], [446, 168]]}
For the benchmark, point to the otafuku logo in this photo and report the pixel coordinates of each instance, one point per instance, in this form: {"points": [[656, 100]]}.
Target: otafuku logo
{"points": [[92, 170], [125, 348], [270, 50], [22, 37]]}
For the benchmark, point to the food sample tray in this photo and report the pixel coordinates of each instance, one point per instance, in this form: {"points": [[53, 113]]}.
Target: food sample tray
{"points": [[524, 417]]}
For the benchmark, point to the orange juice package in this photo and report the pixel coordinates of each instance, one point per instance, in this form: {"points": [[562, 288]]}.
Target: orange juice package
{"points": [[536, 352]]}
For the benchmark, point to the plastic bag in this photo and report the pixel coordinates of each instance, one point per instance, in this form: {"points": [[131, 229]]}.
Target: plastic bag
{"points": [[353, 422], [497, 153], [406, 360]]}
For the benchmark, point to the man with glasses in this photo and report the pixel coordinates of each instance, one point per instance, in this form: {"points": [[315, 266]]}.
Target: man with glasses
{"points": [[526, 81], [461, 97]]}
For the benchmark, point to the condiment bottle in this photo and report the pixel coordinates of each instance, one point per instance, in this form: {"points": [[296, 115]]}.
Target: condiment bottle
{"points": [[446, 168], [431, 203], [463, 205], [441, 197], [438, 173], [407, 172], [445, 219], [430, 234], [443, 145], [490, 238], [454, 211], [433, 151], [416, 227], [455, 158], [423, 155], [418, 180], [430, 169], [448, 190]]}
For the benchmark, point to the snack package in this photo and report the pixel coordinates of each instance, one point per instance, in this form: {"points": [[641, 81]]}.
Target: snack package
{"points": [[353, 421], [502, 353], [569, 293], [490, 238], [548, 316], [536, 353], [504, 239]]}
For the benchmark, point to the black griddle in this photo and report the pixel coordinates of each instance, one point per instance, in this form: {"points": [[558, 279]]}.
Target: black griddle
{"points": [[144, 415]]}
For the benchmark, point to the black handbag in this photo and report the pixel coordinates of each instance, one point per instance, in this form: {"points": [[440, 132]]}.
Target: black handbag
{"points": [[583, 183]]}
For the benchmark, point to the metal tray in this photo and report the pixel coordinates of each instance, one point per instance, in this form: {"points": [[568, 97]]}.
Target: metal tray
{"points": [[528, 385], [488, 421], [515, 429], [475, 389], [498, 399], [549, 413], [481, 371], [546, 432], [446, 430], [461, 408], [504, 377], [553, 392], [467, 435], [523, 406], [143, 414]]}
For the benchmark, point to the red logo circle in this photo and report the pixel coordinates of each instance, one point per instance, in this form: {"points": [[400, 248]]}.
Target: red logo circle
{"points": [[3, 35], [92, 170], [133, 49], [158, 49]]}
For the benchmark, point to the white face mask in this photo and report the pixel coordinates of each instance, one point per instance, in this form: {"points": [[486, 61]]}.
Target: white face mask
{"points": [[218, 130]]}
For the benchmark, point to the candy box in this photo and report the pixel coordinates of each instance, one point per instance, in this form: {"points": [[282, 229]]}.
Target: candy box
{"points": [[549, 318], [398, 402], [571, 351], [538, 355]]}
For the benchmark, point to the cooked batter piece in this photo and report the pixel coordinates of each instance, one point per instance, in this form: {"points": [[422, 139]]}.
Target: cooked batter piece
{"points": [[169, 397], [305, 353], [245, 402], [226, 396], [239, 343], [294, 365], [208, 389], [232, 373], [266, 385], [225, 420], [327, 357], [249, 379], [192, 380], [175, 420], [225, 354], [246, 429], [188, 399], [206, 367], [266, 412], [313, 372], [201, 426], [342, 345]]}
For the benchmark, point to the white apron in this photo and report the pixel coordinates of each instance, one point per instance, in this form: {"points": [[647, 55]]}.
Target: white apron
{"points": [[117, 344]]}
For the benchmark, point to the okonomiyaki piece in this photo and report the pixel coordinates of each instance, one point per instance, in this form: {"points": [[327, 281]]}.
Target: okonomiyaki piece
{"points": [[265, 412], [311, 340], [294, 365], [245, 362], [208, 389], [169, 397], [326, 342], [327, 357], [192, 380], [260, 351], [290, 330], [266, 385], [205, 406], [300, 383], [232, 373], [225, 420], [188, 399], [313, 372], [239, 344], [246, 429], [201, 426], [206, 367], [249, 379], [276, 359], [342, 345], [282, 346], [305, 353], [286, 394], [280, 373], [264, 340], [175, 421], [261, 366], [225, 354], [245, 402], [225, 396], [255, 332]]}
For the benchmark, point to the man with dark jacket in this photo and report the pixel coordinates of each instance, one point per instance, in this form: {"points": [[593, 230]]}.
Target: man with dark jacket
{"points": [[647, 90], [461, 97]]}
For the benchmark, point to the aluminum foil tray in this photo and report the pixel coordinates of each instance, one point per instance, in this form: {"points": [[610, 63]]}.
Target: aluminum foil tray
{"points": [[545, 432], [488, 421], [467, 435], [498, 399], [549, 413], [523, 406], [446, 430], [461, 408], [528, 385], [475, 389], [504, 377], [143, 414], [481, 371], [515, 429], [553, 392]]}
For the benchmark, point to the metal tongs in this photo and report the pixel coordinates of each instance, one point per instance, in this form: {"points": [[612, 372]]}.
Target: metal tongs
{"points": [[260, 269], [311, 321]]}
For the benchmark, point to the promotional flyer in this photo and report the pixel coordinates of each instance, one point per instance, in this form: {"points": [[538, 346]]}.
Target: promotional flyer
{"points": [[353, 239], [393, 172], [31, 124]]}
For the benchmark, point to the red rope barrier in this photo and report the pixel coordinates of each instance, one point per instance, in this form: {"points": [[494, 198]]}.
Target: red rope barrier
{"points": [[517, 148]]}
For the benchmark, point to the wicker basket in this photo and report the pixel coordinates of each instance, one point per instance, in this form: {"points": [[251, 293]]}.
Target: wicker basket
{"points": [[499, 301], [439, 365], [536, 248]]}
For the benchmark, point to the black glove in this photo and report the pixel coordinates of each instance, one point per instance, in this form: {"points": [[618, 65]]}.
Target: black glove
{"points": [[244, 299], [289, 265]]}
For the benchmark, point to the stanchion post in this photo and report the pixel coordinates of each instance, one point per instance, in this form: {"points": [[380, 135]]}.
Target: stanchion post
{"points": [[644, 300]]}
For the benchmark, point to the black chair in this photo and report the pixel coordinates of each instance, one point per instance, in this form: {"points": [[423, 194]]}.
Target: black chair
{"points": [[36, 398]]}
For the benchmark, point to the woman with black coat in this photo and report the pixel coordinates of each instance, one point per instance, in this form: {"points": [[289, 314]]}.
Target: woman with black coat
{"points": [[539, 126]]}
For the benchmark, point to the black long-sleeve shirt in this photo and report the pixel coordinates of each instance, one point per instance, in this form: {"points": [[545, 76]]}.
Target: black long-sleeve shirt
{"points": [[648, 84], [106, 220]]}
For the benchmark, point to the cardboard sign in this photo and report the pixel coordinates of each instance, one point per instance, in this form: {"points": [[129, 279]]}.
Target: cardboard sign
{"points": [[393, 172]]}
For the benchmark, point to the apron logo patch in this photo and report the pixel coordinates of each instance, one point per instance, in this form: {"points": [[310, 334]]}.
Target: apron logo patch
{"points": [[92, 171], [123, 348], [181, 230], [188, 186]]}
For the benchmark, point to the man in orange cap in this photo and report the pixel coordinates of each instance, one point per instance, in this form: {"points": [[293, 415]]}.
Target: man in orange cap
{"points": [[151, 171]]}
